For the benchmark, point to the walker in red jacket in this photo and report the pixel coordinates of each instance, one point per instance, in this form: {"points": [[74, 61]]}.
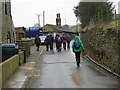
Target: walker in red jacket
{"points": [[64, 40]]}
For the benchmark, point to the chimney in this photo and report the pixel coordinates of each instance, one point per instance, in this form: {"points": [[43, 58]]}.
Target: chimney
{"points": [[58, 20]]}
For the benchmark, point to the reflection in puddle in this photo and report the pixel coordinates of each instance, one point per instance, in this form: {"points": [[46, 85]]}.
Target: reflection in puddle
{"points": [[77, 79]]}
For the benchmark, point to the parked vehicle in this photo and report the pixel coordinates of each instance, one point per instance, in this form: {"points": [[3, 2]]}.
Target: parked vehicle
{"points": [[33, 32], [42, 38], [9, 50]]}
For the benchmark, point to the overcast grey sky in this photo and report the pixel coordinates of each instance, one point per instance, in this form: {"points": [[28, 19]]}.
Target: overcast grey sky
{"points": [[24, 11]]}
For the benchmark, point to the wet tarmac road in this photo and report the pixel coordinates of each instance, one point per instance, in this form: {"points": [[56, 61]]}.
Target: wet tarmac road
{"points": [[59, 71]]}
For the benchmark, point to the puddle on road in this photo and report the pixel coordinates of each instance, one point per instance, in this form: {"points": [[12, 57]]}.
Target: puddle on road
{"points": [[77, 79]]}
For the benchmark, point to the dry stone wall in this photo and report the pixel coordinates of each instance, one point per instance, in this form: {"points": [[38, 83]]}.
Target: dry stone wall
{"points": [[103, 46]]}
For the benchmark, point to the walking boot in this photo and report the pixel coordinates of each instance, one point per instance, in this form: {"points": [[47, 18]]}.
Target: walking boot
{"points": [[78, 65]]}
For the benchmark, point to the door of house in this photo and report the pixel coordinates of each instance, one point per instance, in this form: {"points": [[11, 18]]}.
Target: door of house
{"points": [[21, 35]]}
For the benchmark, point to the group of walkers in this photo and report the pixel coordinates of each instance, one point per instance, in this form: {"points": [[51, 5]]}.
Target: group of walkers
{"points": [[77, 45], [65, 39], [49, 42]]}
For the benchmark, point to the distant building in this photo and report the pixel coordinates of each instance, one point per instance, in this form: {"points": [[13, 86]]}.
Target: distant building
{"points": [[58, 20], [7, 30], [65, 27], [51, 28], [55, 29], [20, 32]]}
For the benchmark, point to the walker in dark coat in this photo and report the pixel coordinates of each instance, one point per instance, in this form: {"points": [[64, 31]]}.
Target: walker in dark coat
{"points": [[37, 42], [52, 40], [48, 42]]}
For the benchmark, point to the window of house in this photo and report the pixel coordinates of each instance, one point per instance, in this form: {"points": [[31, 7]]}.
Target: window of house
{"points": [[10, 8], [8, 37], [6, 7]]}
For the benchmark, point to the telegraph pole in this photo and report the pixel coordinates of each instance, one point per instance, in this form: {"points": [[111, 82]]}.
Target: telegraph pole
{"points": [[39, 19], [116, 18], [43, 18], [77, 25]]}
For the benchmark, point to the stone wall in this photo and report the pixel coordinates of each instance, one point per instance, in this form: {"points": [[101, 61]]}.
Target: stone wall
{"points": [[7, 31], [0, 22], [9, 67], [102, 46], [21, 58], [25, 45]]}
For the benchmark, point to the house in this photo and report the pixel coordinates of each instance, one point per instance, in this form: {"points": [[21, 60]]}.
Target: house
{"points": [[7, 30], [51, 28], [20, 32]]}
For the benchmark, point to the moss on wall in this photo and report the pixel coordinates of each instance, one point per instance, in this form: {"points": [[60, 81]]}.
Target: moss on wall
{"points": [[21, 58], [102, 45]]}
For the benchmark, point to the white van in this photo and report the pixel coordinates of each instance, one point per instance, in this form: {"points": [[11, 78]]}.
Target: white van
{"points": [[42, 38]]}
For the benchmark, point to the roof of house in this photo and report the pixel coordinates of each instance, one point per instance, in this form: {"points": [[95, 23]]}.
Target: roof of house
{"points": [[59, 29]]}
